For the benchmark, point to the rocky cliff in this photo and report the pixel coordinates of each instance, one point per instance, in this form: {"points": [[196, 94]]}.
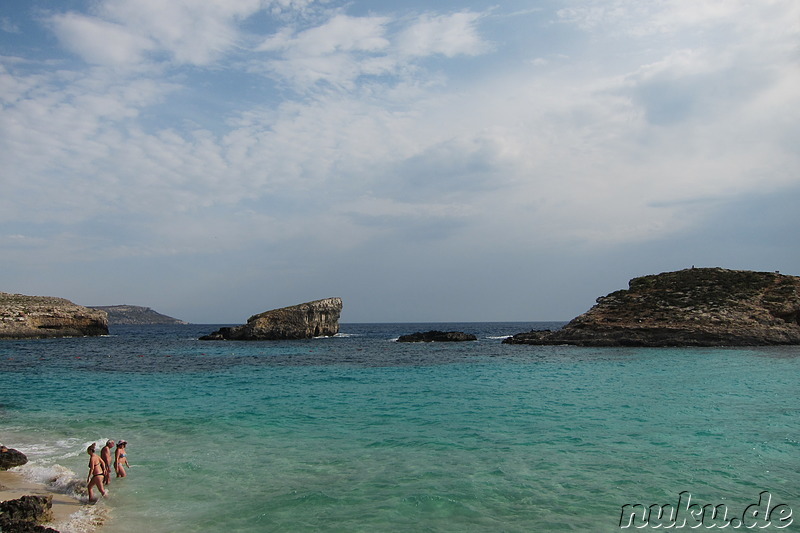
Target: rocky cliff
{"points": [[136, 315], [692, 307], [36, 317], [304, 321]]}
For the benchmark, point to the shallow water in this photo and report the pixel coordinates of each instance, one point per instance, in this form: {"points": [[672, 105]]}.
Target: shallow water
{"points": [[360, 433]]}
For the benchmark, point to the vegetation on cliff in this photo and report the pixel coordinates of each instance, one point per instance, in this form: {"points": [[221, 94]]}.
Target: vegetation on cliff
{"points": [[691, 307]]}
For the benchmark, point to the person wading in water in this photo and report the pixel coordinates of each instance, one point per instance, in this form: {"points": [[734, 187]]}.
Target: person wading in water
{"points": [[97, 473]]}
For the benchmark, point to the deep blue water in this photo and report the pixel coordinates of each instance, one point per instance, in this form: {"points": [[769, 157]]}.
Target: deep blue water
{"points": [[361, 433]]}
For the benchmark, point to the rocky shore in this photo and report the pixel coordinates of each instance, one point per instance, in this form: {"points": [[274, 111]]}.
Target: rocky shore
{"points": [[33, 507], [691, 307], [319, 318], [38, 317]]}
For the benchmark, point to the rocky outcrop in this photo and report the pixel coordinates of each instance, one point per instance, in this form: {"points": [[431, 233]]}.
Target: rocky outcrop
{"points": [[135, 315], [692, 307], [438, 336], [37, 317], [25, 514], [9, 458], [319, 318]]}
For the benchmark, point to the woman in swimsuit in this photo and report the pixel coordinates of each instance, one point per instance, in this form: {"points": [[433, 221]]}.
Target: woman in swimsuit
{"points": [[121, 459], [96, 474]]}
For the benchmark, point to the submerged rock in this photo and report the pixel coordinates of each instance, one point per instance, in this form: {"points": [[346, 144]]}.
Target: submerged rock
{"points": [[319, 318], [37, 317], [9, 458], [438, 336], [691, 307]]}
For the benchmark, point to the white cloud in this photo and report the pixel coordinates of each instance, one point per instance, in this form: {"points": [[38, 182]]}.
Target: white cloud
{"points": [[345, 48], [594, 147], [634, 18], [8, 26], [101, 42], [190, 31], [341, 33], [448, 35], [127, 33]]}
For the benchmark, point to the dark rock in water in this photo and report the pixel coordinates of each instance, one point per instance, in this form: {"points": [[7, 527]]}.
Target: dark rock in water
{"points": [[438, 336], [319, 318], [692, 307], [18, 526], [10, 458], [135, 315], [24, 515], [38, 317]]}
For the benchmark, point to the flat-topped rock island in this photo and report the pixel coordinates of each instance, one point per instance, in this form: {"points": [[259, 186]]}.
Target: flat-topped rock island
{"points": [[691, 307], [319, 318]]}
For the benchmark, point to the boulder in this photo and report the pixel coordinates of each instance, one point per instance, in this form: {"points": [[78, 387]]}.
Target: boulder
{"points": [[438, 336], [37, 317], [319, 318], [691, 307], [25, 514], [9, 458]]}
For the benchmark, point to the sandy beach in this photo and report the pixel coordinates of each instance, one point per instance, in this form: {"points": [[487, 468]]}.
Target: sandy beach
{"points": [[69, 514]]}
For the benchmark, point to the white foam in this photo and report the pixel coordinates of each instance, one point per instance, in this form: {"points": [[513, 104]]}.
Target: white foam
{"points": [[56, 477], [61, 479]]}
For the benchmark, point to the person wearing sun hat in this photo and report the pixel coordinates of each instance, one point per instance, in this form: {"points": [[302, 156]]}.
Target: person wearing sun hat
{"points": [[121, 459]]}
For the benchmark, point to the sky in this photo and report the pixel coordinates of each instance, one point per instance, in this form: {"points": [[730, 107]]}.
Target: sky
{"points": [[424, 161]]}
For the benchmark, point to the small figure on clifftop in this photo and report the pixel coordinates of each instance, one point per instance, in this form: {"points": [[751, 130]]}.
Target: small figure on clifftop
{"points": [[96, 474]]}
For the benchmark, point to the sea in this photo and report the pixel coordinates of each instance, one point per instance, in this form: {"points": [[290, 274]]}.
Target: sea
{"points": [[360, 433]]}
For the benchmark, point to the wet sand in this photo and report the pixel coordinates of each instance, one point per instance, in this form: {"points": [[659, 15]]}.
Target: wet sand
{"points": [[13, 486]]}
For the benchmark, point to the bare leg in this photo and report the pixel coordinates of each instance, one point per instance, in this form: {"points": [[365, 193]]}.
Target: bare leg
{"points": [[96, 481]]}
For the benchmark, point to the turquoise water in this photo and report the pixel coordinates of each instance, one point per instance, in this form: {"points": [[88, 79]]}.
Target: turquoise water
{"points": [[360, 433]]}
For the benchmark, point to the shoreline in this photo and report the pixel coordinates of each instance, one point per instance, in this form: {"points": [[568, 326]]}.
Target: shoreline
{"points": [[69, 513]]}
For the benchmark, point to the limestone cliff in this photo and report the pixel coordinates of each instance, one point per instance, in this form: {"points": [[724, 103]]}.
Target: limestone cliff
{"points": [[692, 307], [319, 318], [36, 317]]}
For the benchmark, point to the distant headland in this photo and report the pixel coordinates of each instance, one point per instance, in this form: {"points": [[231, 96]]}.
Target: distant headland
{"points": [[691, 307], [135, 315]]}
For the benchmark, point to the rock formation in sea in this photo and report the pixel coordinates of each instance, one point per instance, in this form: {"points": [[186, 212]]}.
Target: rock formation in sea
{"points": [[36, 317], [437, 336], [9, 458], [135, 315], [691, 307], [25, 514], [319, 318]]}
